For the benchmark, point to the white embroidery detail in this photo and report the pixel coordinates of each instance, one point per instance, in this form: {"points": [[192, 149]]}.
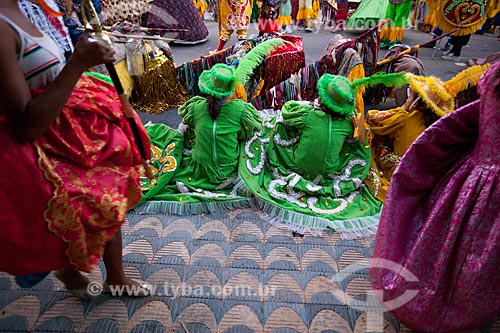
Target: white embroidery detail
{"points": [[345, 177], [203, 193], [228, 182], [283, 142], [343, 203]]}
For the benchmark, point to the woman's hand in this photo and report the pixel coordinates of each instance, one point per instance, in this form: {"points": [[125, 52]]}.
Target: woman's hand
{"points": [[89, 53], [360, 130]]}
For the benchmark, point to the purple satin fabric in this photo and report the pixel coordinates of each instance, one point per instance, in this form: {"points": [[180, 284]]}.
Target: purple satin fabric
{"points": [[441, 220]]}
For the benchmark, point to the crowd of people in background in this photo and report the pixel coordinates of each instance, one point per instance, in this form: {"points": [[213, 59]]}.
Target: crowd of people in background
{"points": [[274, 16]]}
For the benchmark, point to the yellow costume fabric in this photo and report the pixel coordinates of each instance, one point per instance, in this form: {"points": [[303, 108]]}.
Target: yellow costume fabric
{"points": [[285, 17], [465, 79], [432, 91], [315, 9], [391, 133], [234, 15], [394, 31], [358, 72], [201, 5], [305, 12], [284, 20]]}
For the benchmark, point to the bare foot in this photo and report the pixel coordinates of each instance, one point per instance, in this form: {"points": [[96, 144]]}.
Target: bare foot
{"points": [[72, 279], [76, 283], [122, 281], [125, 286]]}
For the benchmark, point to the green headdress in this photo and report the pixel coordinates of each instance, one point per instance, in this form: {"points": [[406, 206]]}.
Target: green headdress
{"points": [[217, 81], [339, 94]]}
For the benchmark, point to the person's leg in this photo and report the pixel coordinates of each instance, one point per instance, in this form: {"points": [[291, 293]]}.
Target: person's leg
{"points": [[301, 15], [325, 13], [333, 18], [400, 21], [224, 36], [343, 8], [447, 46], [455, 48], [341, 16], [115, 276], [308, 15], [113, 260], [458, 42], [295, 11], [385, 33], [222, 43], [72, 279], [437, 32]]}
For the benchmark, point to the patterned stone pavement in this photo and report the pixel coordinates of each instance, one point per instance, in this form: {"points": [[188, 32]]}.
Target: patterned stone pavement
{"points": [[229, 272]]}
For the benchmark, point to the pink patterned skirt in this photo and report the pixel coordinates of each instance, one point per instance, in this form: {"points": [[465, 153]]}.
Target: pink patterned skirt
{"points": [[67, 194]]}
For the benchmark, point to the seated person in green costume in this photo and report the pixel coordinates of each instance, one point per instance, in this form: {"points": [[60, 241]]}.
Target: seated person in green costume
{"points": [[205, 178], [305, 167]]}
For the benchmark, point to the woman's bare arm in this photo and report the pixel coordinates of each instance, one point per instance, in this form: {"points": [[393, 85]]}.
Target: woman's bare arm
{"points": [[30, 117]]}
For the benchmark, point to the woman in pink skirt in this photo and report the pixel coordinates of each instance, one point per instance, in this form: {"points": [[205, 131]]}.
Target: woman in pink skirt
{"points": [[441, 221]]}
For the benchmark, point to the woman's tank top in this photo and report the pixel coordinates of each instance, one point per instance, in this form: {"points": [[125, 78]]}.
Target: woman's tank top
{"points": [[40, 59]]}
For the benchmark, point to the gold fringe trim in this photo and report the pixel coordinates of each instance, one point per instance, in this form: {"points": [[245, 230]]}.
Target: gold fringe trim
{"points": [[159, 89], [258, 90], [430, 19], [446, 26], [432, 4], [385, 32], [397, 34], [239, 93], [202, 6], [491, 9], [126, 79], [392, 33], [358, 72], [465, 79]]}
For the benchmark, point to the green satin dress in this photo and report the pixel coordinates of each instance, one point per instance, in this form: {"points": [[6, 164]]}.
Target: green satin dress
{"points": [[306, 170], [206, 178]]}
